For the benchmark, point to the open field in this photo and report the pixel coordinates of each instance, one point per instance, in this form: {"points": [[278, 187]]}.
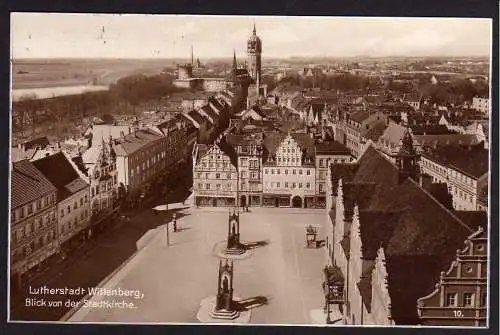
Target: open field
{"points": [[38, 73]]}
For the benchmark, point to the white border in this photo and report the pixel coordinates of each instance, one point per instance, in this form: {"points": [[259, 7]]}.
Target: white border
{"points": [[490, 116]]}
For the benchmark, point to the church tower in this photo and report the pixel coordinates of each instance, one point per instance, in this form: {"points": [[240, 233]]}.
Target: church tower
{"points": [[254, 50], [407, 159]]}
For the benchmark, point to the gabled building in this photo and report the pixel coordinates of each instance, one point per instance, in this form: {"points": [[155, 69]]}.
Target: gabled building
{"points": [[99, 169], [357, 125], [215, 176], [289, 171], [73, 200], [248, 149], [33, 221], [460, 296]]}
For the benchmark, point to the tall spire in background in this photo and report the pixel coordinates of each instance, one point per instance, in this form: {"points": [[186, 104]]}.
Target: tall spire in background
{"points": [[254, 30], [235, 65], [192, 56]]}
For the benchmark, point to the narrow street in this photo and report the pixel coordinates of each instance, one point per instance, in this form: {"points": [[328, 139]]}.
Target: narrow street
{"points": [[98, 258]]}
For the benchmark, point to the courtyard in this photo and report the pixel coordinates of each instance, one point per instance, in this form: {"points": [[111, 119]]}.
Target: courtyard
{"points": [[279, 272]]}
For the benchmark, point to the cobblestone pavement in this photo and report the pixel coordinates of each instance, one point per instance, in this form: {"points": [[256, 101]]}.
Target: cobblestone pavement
{"points": [[282, 275]]}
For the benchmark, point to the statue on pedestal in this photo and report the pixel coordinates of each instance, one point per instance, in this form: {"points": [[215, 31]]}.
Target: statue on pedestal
{"points": [[233, 236], [225, 286]]}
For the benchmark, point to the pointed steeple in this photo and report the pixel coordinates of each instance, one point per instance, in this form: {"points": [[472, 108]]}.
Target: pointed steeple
{"points": [[254, 30], [407, 158], [192, 56], [235, 65]]}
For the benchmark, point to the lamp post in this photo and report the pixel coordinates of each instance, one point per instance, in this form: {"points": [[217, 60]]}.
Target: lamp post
{"points": [[167, 234]]}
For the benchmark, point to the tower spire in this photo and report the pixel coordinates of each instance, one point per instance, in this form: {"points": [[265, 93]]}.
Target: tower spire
{"points": [[254, 30], [192, 56], [235, 65]]}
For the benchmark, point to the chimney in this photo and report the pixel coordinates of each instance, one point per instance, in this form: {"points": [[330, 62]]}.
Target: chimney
{"points": [[425, 181]]}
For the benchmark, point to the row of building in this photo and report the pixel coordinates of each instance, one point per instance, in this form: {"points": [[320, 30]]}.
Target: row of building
{"points": [[396, 255], [62, 193]]}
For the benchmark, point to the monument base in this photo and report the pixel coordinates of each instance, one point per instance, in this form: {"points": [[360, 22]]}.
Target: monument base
{"points": [[208, 314], [223, 314], [236, 251]]}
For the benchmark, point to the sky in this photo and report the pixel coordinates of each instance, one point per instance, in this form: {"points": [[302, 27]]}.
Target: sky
{"points": [[63, 35]]}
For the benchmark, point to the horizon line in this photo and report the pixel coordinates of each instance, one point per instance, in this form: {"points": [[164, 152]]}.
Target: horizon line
{"points": [[230, 57]]}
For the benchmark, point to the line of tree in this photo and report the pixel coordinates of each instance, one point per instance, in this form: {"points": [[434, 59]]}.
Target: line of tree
{"points": [[57, 113]]}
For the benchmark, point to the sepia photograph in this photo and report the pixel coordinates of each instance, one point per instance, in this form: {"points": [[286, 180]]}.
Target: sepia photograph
{"points": [[249, 170]]}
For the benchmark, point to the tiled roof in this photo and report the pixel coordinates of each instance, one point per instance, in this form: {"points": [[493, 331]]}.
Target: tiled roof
{"points": [[207, 109], [197, 117], [28, 184], [332, 148], [411, 226], [360, 116], [393, 134], [135, 141], [430, 130], [445, 139], [474, 219], [41, 142], [61, 173], [376, 131], [472, 161]]}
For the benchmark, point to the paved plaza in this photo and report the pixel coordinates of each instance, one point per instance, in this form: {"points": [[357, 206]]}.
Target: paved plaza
{"points": [[281, 275]]}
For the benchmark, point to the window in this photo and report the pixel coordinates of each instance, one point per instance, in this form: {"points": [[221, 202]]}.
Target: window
{"points": [[200, 186], [294, 185], [68, 209], [86, 197], [62, 212], [321, 187], [294, 171], [286, 171], [300, 171], [30, 209], [308, 185], [286, 184], [468, 299], [451, 299], [217, 176], [278, 171], [321, 162], [272, 171], [308, 172], [300, 185], [228, 175], [207, 186], [218, 187], [81, 201], [278, 185]]}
